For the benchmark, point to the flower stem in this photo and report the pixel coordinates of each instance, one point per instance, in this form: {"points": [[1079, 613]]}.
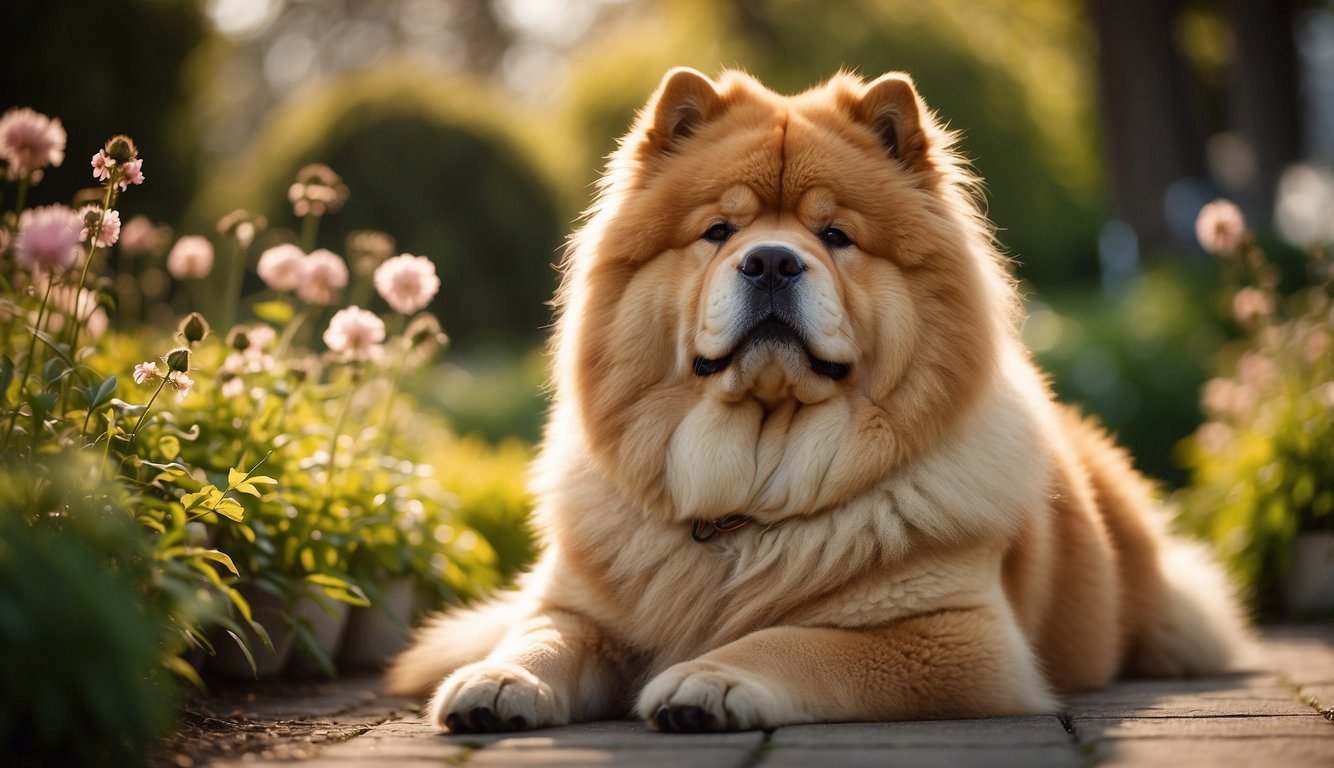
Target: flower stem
{"points": [[337, 432], [144, 416], [95, 232], [386, 424], [27, 362], [21, 196], [235, 277], [310, 230], [290, 331]]}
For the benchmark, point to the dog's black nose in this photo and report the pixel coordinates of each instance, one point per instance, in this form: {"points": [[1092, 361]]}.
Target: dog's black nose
{"points": [[771, 267]]}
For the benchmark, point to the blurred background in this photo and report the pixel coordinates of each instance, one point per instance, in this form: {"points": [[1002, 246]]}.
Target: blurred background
{"points": [[473, 129]]}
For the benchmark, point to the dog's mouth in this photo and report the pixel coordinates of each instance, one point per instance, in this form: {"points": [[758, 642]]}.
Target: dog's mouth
{"points": [[772, 330]]}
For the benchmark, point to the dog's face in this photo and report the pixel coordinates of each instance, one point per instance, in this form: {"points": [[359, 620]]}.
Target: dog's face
{"points": [[756, 257]]}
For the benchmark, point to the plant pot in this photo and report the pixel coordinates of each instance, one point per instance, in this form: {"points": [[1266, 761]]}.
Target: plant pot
{"points": [[376, 633], [271, 613], [1308, 586], [326, 620]]}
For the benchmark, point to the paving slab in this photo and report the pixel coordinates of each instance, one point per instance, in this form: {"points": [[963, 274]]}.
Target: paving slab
{"points": [[983, 732], [1067, 756], [1271, 715], [1311, 725], [1214, 753]]}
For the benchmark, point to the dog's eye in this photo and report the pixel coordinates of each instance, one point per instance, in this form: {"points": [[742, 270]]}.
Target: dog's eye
{"points": [[835, 238], [718, 233]]}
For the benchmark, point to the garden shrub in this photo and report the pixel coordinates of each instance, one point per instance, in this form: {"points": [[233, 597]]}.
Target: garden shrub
{"points": [[1262, 466]]}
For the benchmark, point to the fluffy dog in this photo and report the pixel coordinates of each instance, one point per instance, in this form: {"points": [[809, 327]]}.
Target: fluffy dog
{"points": [[800, 467]]}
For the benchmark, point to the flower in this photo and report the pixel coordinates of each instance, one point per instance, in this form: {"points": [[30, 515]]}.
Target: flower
{"points": [[66, 302], [191, 258], [1219, 227], [262, 336], [140, 235], [31, 141], [242, 226], [107, 233], [368, 249], [102, 165], [48, 238], [1251, 304], [131, 173], [407, 282], [323, 275], [178, 360], [355, 334], [181, 382], [316, 191], [146, 371], [280, 267], [232, 385]]}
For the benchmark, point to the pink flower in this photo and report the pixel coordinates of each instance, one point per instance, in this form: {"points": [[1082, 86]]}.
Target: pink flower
{"points": [[232, 386], [147, 371], [323, 276], [1219, 226], [180, 382], [261, 336], [1317, 341], [407, 282], [191, 258], [48, 238], [30, 141], [109, 232], [355, 334], [65, 302], [131, 173], [140, 235], [102, 165], [280, 267], [1251, 304]]}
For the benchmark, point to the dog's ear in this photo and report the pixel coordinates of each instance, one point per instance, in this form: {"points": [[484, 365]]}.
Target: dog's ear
{"points": [[891, 107], [684, 101]]}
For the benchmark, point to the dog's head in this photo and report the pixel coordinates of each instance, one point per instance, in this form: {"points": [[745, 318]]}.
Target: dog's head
{"points": [[754, 257]]}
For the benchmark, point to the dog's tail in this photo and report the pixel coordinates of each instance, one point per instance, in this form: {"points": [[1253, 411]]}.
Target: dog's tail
{"points": [[449, 640]]}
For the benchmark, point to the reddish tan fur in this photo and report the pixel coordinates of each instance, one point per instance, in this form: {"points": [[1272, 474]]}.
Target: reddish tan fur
{"points": [[933, 535]]}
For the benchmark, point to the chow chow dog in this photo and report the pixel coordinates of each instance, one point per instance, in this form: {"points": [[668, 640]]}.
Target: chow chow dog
{"points": [[799, 466]]}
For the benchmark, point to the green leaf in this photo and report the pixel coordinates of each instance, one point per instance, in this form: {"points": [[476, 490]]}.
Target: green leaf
{"points": [[182, 667], [6, 374], [104, 391], [241, 603], [351, 596], [219, 556], [170, 446], [234, 476], [245, 651], [230, 509], [261, 480], [247, 488], [193, 500], [276, 312]]}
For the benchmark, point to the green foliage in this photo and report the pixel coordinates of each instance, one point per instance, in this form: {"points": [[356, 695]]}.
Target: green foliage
{"points": [[88, 610], [1262, 467], [1135, 357]]}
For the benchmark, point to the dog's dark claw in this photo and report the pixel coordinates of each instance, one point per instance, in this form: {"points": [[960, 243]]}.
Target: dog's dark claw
{"points": [[483, 719], [455, 723], [519, 722], [688, 719]]}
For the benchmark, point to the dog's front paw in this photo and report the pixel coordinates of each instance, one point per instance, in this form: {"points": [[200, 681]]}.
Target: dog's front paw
{"points": [[704, 696], [483, 698]]}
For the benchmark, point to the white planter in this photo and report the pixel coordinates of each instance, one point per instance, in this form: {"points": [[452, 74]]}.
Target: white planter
{"points": [[1308, 586], [326, 619], [376, 633], [271, 613]]}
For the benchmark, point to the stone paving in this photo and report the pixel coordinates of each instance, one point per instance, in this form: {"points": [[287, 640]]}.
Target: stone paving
{"points": [[1280, 714]]}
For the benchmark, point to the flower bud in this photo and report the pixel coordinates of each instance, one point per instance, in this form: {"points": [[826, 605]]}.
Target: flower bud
{"points": [[424, 334], [178, 360], [193, 329], [238, 339], [121, 149]]}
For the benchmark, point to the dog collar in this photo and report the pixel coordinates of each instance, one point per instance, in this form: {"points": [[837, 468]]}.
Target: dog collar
{"points": [[703, 530]]}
